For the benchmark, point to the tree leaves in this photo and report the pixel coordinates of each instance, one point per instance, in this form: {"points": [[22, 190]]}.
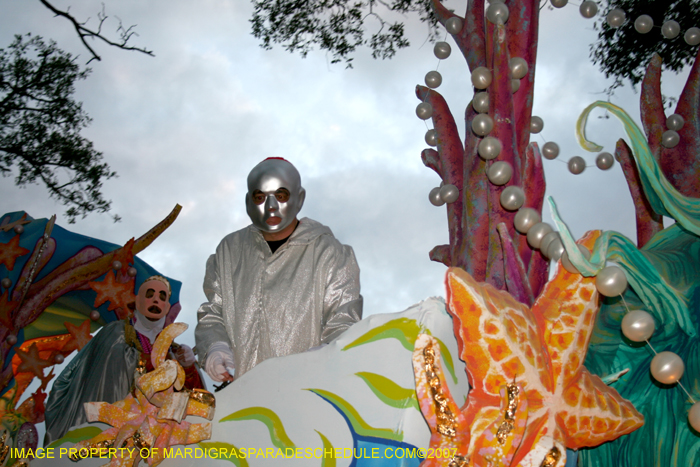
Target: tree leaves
{"points": [[40, 126], [624, 53], [337, 26]]}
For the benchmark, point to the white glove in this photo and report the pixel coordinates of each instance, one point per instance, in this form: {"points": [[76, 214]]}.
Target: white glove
{"points": [[185, 355], [220, 365]]}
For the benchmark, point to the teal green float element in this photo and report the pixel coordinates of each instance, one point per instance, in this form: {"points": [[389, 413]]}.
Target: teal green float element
{"points": [[658, 293], [238, 459], [327, 445], [278, 436], [663, 197], [666, 434], [664, 279], [389, 392], [76, 436], [406, 332], [361, 427]]}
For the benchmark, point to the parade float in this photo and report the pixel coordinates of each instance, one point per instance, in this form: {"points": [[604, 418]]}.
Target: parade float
{"points": [[513, 368]]}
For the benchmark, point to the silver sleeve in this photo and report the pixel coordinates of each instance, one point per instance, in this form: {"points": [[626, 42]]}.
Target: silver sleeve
{"points": [[211, 326], [342, 304]]}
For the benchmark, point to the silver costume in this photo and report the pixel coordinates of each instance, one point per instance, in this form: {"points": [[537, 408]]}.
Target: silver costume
{"points": [[102, 371], [267, 305]]}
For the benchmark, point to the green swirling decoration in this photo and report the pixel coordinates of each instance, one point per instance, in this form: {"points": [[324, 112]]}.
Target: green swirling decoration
{"points": [[389, 392], [406, 332], [239, 460], [278, 436], [666, 435], [663, 278], [402, 329], [659, 294], [663, 197], [327, 445], [361, 427], [77, 435]]}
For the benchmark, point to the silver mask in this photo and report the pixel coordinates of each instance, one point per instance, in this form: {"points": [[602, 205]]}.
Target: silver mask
{"points": [[275, 195]]}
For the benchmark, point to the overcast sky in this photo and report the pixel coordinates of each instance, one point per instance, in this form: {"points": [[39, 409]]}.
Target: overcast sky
{"points": [[188, 125]]}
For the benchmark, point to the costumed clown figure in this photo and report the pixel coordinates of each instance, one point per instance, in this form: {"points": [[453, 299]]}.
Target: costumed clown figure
{"points": [[104, 370], [277, 287]]}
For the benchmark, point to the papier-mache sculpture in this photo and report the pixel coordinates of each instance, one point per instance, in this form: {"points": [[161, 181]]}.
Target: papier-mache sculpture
{"points": [[531, 397], [57, 288], [151, 418], [354, 398]]}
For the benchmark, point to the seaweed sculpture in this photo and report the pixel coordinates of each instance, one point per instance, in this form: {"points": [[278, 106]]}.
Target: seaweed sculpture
{"points": [[672, 298]]}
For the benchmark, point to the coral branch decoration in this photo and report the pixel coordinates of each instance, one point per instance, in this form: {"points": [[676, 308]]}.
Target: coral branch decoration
{"points": [[678, 161], [150, 419], [533, 356], [476, 243], [648, 222]]}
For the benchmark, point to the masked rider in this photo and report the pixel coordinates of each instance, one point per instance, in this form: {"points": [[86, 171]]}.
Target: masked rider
{"points": [[104, 370], [277, 287]]}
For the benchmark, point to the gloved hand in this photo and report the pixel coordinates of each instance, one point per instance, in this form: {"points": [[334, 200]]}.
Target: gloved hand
{"points": [[220, 365], [184, 355]]}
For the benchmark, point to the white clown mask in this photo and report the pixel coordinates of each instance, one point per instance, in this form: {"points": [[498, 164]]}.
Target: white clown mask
{"points": [[152, 301], [275, 195]]}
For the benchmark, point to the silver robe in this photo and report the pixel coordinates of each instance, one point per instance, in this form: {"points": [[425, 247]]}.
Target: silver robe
{"points": [[268, 305], [102, 371]]}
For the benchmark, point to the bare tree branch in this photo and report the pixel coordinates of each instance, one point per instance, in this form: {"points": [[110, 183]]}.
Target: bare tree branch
{"points": [[125, 34]]}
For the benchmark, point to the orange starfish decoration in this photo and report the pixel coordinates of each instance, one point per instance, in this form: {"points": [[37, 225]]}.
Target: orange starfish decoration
{"points": [[118, 294], [79, 336], [48, 348], [32, 362], [538, 353], [10, 251]]}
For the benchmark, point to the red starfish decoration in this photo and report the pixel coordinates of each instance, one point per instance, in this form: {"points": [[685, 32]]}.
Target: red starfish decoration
{"points": [[118, 294], [10, 251], [79, 336], [32, 362], [125, 255], [6, 309]]}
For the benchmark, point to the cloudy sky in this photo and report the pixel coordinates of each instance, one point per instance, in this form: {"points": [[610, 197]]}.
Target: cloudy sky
{"points": [[187, 126]]}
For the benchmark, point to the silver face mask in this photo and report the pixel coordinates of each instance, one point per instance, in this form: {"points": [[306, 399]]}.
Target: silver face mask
{"points": [[275, 195]]}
